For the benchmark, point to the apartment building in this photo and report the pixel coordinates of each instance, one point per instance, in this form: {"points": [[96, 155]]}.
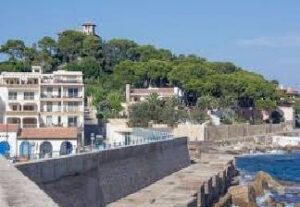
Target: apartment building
{"points": [[37, 100]]}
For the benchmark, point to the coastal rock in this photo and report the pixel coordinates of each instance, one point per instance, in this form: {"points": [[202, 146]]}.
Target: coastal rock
{"points": [[243, 196], [264, 181]]}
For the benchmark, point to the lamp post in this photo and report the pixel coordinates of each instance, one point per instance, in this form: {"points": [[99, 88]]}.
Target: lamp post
{"points": [[92, 140]]}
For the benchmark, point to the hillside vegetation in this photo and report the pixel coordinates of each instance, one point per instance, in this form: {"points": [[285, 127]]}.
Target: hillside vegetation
{"points": [[108, 65]]}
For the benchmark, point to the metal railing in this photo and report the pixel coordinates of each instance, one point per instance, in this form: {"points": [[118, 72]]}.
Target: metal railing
{"points": [[52, 81], [103, 146], [29, 125]]}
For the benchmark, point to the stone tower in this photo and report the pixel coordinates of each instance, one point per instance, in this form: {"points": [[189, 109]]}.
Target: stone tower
{"points": [[89, 28]]}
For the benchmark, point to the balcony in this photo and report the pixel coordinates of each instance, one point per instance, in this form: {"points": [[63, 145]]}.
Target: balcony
{"points": [[29, 98], [29, 125], [51, 125], [12, 98], [45, 95], [61, 81], [29, 122], [23, 113], [21, 86]]}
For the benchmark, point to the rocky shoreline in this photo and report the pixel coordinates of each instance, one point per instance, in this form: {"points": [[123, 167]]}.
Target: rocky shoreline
{"points": [[256, 193], [247, 195]]}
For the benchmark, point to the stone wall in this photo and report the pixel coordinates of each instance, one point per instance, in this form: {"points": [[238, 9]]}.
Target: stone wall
{"points": [[198, 132], [226, 132], [194, 132], [99, 178]]}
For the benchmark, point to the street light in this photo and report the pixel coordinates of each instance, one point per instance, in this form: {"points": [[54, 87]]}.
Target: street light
{"points": [[92, 139]]}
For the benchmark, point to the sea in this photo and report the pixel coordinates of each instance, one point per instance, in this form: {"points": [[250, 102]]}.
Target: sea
{"points": [[281, 165]]}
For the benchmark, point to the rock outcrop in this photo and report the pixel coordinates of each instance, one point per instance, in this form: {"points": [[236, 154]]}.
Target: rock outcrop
{"points": [[264, 181], [243, 196]]}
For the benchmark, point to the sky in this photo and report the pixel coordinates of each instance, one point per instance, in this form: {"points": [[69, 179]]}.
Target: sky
{"points": [[258, 35]]}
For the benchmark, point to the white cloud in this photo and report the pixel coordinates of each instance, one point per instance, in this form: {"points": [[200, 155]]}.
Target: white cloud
{"points": [[275, 42]]}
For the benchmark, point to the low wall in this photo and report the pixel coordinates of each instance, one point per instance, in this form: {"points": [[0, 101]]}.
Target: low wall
{"points": [[194, 132], [99, 178], [198, 132], [18, 191], [225, 132]]}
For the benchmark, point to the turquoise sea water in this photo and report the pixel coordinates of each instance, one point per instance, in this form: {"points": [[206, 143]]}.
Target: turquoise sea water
{"points": [[282, 166]]}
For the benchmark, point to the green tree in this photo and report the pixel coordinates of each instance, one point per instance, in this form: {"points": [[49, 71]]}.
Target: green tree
{"points": [[70, 44], [90, 67], [47, 45], [114, 100], [14, 49], [92, 47], [265, 104]]}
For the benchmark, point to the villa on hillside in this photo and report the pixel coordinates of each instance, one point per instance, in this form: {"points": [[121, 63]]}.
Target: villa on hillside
{"points": [[140, 94]]}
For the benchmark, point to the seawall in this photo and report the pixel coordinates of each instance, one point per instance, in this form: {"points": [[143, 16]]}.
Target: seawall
{"points": [[99, 178], [18, 191], [202, 184]]}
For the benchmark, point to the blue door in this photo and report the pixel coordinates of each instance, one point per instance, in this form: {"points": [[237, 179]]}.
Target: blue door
{"points": [[4, 148], [66, 148], [25, 149]]}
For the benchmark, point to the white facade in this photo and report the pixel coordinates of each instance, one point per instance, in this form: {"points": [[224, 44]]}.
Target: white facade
{"points": [[288, 113], [140, 94], [35, 149], [285, 141], [34, 100], [89, 28], [11, 138], [116, 130]]}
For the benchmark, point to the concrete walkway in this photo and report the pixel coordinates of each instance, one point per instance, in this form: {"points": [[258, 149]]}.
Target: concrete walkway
{"points": [[16, 190], [182, 188]]}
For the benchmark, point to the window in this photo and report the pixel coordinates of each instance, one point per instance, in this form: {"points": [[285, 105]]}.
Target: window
{"points": [[49, 107], [59, 120], [48, 120], [72, 121], [32, 81], [49, 92], [72, 107], [28, 108], [73, 92], [28, 95], [16, 107], [12, 95]]}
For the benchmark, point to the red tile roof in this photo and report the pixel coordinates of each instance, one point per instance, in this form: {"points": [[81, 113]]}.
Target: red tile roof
{"points": [[9, 127], [49, 133]]}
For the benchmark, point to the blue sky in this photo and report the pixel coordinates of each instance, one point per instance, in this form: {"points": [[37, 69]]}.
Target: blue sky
{"points": [[259, 35]]}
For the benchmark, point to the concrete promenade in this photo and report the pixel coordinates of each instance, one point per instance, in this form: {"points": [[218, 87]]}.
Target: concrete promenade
{"points": [[200, 184], [18, 191]]}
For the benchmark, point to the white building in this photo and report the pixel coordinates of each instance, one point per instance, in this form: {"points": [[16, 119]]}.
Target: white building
{"points": [[285, 141], [47, 142], [8, 139], [37, 100], [140, 94]]}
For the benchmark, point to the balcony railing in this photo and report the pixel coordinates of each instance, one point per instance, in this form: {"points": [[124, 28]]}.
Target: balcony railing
{"points": [[29, 125], [12, 98], [28, 98], [29, 113], [51, 125], [54, 81], [45, 95]]}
